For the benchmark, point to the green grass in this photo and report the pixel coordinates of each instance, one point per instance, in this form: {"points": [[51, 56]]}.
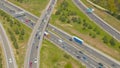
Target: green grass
{"points": [[22, 43], [34, 6], [105, 16], [77, 29], [87, 34], [1, 60], [2, 57], [53, 57]]}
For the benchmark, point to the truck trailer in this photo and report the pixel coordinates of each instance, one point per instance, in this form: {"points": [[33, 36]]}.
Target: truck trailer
{"points": [[77, 40]]}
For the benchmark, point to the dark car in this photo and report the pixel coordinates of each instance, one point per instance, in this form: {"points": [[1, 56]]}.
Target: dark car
{"points": [[70, 39], [101, 65], [78, 57], [81, 52]]}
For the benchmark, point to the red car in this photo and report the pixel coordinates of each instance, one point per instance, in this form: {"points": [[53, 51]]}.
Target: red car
{"points": [[30, 64], [27, 20]]}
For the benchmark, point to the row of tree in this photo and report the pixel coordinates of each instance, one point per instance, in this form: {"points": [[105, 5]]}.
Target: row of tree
{"points": [[15, 30], [112, 5], [69, 16]]}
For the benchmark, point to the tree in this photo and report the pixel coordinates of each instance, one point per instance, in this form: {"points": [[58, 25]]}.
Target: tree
{"points": [[22, 32], [62, 18], [15, 45], [74, 19], [21, 37], [105, 39], [89, 27], [112, 42], [16, 31], [57, 12]]}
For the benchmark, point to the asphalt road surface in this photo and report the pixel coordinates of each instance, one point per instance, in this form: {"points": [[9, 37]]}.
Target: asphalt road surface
{"points": [[37, 36], [6, 45], [109, 29], [67, 37], [92, 52]]}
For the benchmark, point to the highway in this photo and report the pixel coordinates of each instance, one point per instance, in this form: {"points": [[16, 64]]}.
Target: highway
{"points": [[66, 46], [37, 37], [71, 49], [109, 29], [8, 52], [91, 51], [70, 37]]}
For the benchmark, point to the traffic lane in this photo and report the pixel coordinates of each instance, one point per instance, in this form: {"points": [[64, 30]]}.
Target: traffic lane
{"points": [[56, 30], [65, 45], [98, 21], [90, 51], [6, 8], [35, 42], [88, 60], [33, 53], [106, 27], [23, 19], [101, 57], [10, 5], [8, 52], [111, 31]]}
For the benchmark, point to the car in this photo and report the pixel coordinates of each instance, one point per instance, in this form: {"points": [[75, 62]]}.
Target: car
{"points": [[30, 64], [70, 39], [78, 57], [38, 37], [60, 40], [113, 65], [81, 52], [35, 60], [37, 47], [84, 58], [10, 60], [101, 65], [32, 24], [27, 20], [36, 34]]}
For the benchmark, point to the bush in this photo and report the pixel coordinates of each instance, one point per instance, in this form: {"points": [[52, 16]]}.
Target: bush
{"points": [[112, 42], [15, 44], [62, 18], [105, 39]]}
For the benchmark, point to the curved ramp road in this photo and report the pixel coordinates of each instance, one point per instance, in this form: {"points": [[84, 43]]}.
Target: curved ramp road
{"points": [[109, 29], [37, 36], [10, 59], [104, 59]]}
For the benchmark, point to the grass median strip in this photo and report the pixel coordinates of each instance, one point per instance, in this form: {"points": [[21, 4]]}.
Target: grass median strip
{"points": [[105, 16], [18, 34], [70, 19], [53, 57]]}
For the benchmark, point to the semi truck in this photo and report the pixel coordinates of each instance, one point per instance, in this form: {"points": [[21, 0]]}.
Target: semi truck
{"points": [[78, 40]]}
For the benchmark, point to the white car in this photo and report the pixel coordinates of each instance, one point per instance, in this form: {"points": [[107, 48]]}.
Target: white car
{"points": [[35, 60], [60, 40], [10, 60]]}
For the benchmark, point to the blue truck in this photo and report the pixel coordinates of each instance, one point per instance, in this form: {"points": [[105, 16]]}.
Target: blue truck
{"points": [[78, 40]]}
